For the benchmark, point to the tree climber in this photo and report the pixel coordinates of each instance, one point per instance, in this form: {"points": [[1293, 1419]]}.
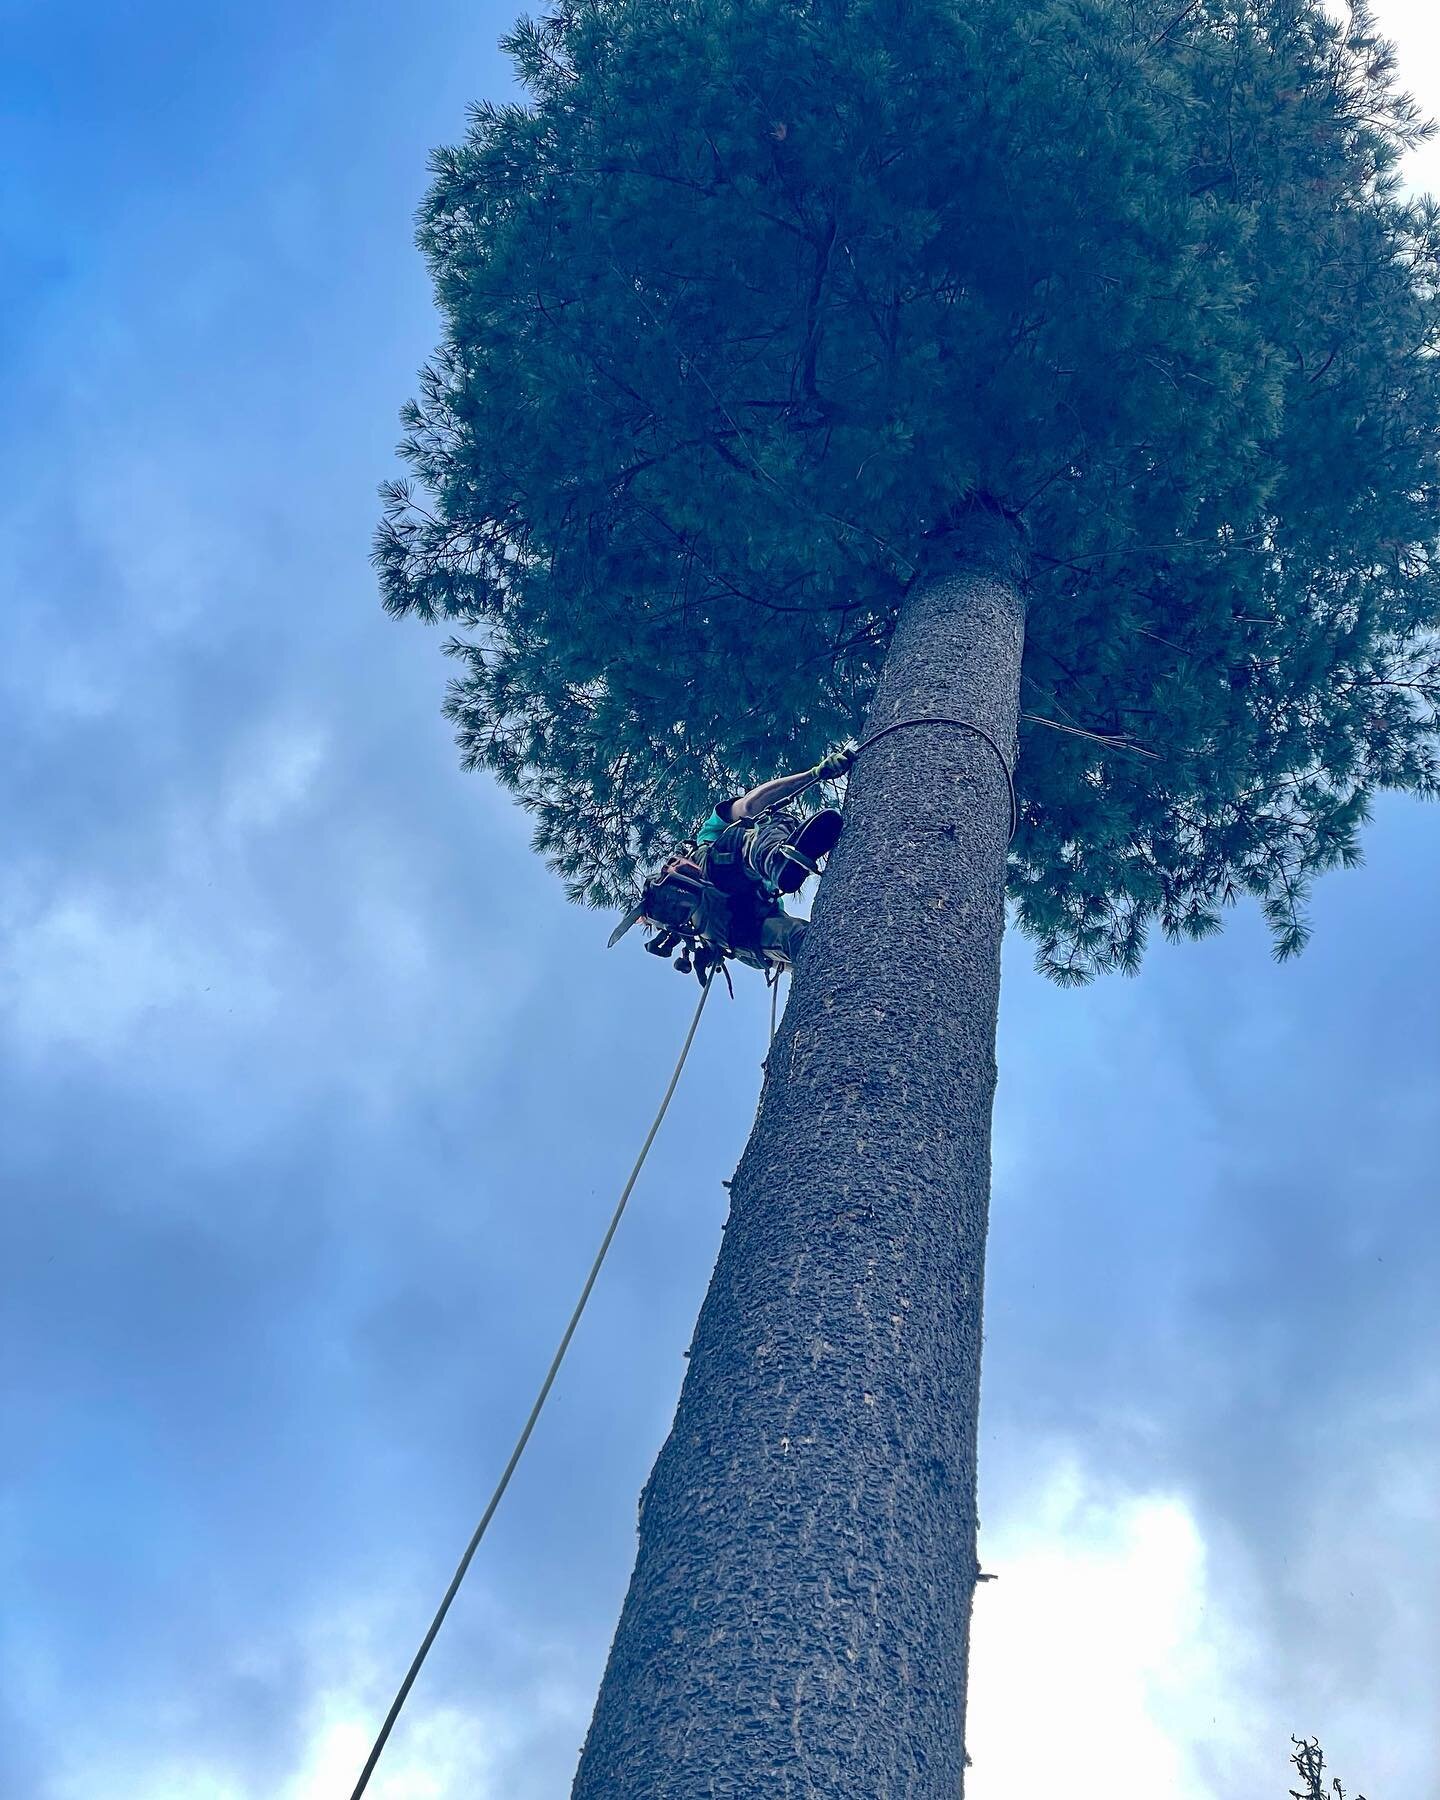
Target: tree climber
{"points": [[751, 853], [775, 829]]}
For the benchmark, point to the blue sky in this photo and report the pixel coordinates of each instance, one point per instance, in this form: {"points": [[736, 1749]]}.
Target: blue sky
{"points": [[314, 1094]]}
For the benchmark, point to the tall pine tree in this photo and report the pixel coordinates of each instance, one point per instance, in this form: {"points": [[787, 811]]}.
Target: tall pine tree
{"points": [[1060, 366]]}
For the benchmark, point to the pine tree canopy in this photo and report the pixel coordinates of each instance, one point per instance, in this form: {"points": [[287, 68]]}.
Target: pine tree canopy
{"points": [[748, 295]]}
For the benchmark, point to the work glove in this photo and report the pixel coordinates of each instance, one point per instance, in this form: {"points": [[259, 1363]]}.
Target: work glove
{"points": [[834, 765]]}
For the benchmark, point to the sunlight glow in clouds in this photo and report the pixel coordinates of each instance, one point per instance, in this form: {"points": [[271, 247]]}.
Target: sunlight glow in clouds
{"points": [[1097, 1644], [444, 1752]]}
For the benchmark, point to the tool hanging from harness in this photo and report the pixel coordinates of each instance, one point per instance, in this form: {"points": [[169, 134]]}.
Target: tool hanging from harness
{"points": [[692, 915], [726, 901], [701, 920]]}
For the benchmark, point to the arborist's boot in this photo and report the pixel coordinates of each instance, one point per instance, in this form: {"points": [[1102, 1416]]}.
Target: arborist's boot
{"points": [[794, 862]]}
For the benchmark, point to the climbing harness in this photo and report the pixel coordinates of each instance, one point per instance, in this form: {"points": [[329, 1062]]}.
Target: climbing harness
{"points": [[709, 920], [529, 1426], [697, 918]]}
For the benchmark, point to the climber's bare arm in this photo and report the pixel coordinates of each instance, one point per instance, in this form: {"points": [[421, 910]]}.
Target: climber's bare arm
{"points": [[770, 793]]}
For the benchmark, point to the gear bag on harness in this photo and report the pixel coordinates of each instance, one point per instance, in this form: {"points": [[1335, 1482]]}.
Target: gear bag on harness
{"points": [[728, 904]]}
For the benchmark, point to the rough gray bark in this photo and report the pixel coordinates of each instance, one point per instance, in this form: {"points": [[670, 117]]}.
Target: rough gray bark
{"points": [[798, 1620]]}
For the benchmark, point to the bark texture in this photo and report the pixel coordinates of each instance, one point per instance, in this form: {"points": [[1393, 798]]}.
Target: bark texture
{"points": [[798, 1621]]}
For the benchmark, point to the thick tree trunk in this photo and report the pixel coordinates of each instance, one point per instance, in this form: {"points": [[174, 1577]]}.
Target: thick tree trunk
{"points": [[798, 1620]]}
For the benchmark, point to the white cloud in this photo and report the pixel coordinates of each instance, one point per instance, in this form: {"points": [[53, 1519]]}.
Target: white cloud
{"points": [[1104, 1666], [1414, 27], [202, 947], [444, 1753], [439, 1750], [84, 969], [159, 544], [274, 771], [1362, 1667]]}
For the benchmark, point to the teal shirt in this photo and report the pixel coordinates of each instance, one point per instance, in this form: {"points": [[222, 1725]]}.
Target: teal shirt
{"points": [[709, 831]]}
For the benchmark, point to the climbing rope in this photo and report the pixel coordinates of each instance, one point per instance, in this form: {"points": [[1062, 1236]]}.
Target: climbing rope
{"points": [[964, 725], [529, 1426], [934, 719]]}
